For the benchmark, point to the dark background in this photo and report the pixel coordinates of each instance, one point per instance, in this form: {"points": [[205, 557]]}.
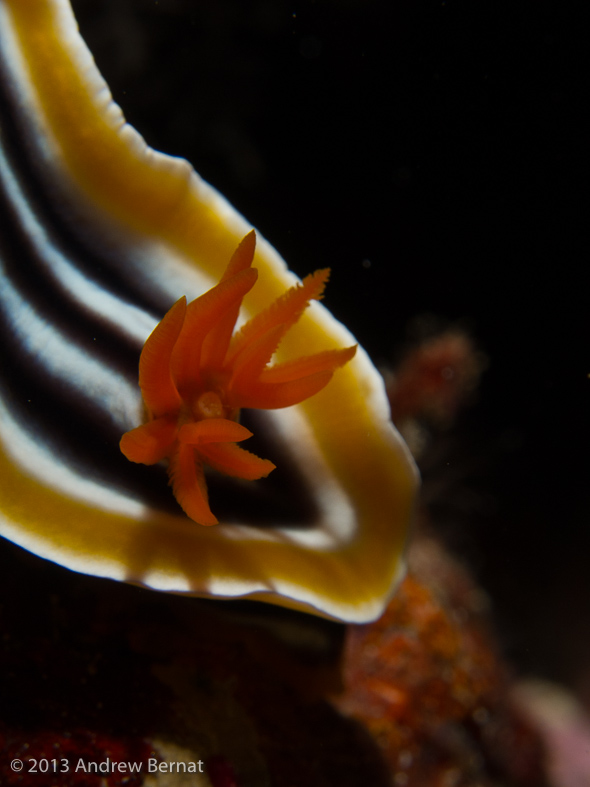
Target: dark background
{"points": [[431, 154]]}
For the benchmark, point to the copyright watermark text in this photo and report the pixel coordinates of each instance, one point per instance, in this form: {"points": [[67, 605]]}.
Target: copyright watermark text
{"points": [[64, 765]]}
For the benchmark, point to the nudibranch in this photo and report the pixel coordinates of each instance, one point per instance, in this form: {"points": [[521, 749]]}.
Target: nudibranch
{"points": [[100, 236]]}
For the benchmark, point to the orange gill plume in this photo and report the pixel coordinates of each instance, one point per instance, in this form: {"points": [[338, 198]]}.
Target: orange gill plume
{"points": [[195, 375]]}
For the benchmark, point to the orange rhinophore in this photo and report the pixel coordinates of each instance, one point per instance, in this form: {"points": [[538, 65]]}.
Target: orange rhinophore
{"points": [[195, 375]]}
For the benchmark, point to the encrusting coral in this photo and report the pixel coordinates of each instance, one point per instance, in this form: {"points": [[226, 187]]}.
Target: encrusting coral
{"points": [[95, 672]]}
